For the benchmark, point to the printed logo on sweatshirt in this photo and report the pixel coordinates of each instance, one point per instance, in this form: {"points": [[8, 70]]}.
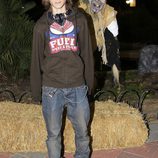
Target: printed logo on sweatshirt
{"points": [[62, 37]]}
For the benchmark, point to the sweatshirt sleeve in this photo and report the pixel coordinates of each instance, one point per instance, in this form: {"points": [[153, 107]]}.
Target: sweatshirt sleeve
{"points": [[87, 55], [36, 61]]}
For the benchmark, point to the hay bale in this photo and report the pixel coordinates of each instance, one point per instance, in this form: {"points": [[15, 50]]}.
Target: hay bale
{"points": [[21, 127], [114, 126]]}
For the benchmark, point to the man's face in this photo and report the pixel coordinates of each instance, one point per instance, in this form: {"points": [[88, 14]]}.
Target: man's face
{"points": [[97, 5], [57, 4]]}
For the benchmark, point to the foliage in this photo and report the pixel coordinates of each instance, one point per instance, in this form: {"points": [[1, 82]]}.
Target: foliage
{"points": [[16, 36]]}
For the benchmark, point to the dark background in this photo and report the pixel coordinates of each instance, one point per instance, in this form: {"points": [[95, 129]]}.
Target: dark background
{"points": [[138, 26]]}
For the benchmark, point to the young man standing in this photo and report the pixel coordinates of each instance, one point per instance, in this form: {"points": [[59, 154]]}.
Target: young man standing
{"points": [[62, 73]]}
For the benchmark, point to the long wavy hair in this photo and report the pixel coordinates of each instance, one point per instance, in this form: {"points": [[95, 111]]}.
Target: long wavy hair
{"points": [[46, 3]]}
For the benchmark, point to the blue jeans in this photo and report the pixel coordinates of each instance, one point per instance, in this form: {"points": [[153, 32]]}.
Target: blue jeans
{"points": [[53, 102]]}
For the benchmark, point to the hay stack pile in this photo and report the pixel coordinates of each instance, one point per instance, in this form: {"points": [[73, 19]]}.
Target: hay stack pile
{"points": [[114, 125], [21, 127]]}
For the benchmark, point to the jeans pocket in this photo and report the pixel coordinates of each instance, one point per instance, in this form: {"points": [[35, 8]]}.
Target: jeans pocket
{"points": [[48, 97], [78, 94], [48, 91], [82, 93]]}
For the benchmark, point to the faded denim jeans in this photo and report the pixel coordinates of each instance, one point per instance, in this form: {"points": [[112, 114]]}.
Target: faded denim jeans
{"points": [[53, 102]]}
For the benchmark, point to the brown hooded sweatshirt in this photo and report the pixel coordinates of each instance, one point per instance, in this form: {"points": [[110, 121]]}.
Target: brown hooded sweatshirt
{"points": [[62, 56]]}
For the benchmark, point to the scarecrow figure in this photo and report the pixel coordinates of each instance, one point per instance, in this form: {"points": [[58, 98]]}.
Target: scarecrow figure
{"points": [[106, 31]]}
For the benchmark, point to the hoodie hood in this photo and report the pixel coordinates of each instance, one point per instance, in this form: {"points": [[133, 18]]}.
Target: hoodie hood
{"points": [[70, 13]]}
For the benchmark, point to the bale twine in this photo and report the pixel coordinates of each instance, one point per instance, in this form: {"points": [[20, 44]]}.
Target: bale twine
{"points": [[114, 125]]}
